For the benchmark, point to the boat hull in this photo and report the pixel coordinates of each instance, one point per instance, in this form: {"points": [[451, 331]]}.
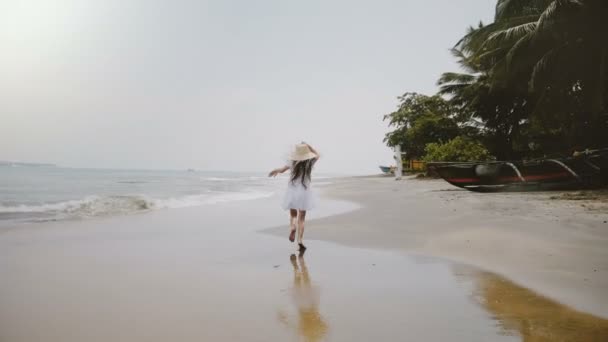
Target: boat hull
{"points": [[588, 171], [386, 169]]}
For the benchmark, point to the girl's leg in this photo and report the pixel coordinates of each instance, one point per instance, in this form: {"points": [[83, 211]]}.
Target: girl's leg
{"points": [[293, 223], [301, 219]]}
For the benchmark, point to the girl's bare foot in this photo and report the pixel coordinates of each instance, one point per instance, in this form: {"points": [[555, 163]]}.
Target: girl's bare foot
{"points": [[292, 235]]}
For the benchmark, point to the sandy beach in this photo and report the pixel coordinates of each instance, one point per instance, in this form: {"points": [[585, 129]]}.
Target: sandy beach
{"points": [[556, 247], [409, 260], [158, 157]]}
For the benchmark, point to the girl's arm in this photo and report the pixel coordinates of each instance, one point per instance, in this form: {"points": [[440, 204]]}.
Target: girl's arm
{"points": [[314, 151], [277, 171]]}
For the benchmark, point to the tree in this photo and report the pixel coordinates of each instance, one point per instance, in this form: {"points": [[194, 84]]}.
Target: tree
{"points": [[461, 149], [429, 128], [554, 52], [499, 112], [420, 120], [534, 81]]}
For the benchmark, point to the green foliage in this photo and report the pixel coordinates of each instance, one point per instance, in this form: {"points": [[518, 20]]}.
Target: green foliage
{"points": [[460, 149], [537, 75], [429, 128], [534, 82], [420, 120]]}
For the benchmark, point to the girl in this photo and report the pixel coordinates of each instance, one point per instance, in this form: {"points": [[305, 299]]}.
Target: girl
{"points": [[298, 198]]}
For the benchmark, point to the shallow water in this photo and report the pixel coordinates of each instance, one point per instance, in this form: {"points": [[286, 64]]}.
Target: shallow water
{"points": [[205, 274], [442, 302], [533, 317], [40, 194]]}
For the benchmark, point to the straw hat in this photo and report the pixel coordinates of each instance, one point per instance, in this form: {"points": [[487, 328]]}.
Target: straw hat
{"points": [[302, 152]]}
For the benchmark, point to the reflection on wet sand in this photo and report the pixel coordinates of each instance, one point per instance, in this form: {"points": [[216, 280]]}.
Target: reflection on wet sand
{"points": [[533, 317], [310, 325]]}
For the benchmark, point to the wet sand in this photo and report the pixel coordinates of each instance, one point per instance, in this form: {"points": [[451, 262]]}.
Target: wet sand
{"points": [[207, 274], [533, 317], [555, 247]]}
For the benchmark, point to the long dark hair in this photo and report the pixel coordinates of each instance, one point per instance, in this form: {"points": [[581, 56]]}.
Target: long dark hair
{"points": [[301, 170]]}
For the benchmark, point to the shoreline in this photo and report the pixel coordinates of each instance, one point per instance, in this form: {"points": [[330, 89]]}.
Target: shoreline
{"points": [[208, 273], [556, 248]]}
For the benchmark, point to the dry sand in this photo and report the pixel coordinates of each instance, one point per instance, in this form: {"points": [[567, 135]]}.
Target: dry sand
{"points": [[556, 247]]}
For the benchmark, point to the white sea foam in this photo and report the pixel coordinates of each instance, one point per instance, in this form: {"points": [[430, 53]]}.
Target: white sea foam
{"points": [[48, 194], [92, 206], [235, 179], [211, 198]]}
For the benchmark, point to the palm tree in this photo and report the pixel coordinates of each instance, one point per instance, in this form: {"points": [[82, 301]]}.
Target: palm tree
{"points": [[498, 112], [550, 56], [561, 43]]}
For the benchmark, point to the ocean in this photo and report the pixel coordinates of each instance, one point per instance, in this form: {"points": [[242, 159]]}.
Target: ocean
{"points": [[40, 194]]}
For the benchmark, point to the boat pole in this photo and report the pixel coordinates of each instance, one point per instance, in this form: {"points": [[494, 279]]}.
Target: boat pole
{"points": [[399, 166]]}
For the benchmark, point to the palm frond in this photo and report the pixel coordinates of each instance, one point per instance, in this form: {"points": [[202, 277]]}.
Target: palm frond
{"points": [[466, 61], [543, 64], [514, 32], [475, 38], [452, 89], [509, 8], [522, 43], [505, 8], [458, 53], [494, 54], [548, 16], [456, 78]]}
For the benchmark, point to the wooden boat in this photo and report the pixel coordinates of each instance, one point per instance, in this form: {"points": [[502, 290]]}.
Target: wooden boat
{"points": [[583, 170], [387, 169]]}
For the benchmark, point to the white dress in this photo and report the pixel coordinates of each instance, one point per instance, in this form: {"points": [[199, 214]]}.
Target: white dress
{"points": [[298, 197]]}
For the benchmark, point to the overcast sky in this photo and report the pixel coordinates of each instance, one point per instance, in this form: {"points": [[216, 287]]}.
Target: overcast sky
{"points": [[220, 84]]}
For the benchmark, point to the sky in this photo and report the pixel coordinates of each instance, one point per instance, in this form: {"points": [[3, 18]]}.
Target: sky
{"points": [[216, 85]]}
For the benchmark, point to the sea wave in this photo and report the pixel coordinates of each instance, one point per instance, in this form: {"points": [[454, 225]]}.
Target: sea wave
{"points": [[234, 179], [93, 206], [88, 206], [209, 198], [219, 179]]}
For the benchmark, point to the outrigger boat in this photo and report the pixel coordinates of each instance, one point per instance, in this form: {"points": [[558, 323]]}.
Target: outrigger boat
{"points": [[583, 170], [387, 169]]}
